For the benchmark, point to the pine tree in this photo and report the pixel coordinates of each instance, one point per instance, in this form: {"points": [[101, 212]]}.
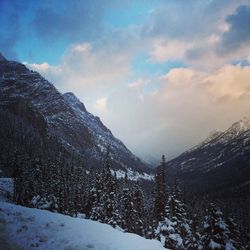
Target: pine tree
{"points": [[62, 206], [79, 190], [216, 232], [160, 192], [174, 230], [234, 234], [193, 237], [138, 210], [127, 207], [17, 179], [96, 212], [111, 214], [103, 196]]}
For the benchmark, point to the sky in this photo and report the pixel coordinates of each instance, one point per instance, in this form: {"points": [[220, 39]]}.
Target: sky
{"points": [[160, 74]]}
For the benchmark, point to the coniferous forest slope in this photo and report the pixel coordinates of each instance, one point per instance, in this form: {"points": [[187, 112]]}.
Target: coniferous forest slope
{"points": [[63, 159]]}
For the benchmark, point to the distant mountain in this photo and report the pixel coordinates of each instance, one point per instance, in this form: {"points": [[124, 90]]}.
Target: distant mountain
{"points": [[28, 95], [223, 159]]}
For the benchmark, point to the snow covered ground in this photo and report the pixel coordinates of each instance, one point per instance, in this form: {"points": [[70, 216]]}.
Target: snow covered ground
{"points": [[30, 228]]}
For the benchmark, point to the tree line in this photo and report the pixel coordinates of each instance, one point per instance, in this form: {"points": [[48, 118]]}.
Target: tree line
{"points": [[100, 196]]}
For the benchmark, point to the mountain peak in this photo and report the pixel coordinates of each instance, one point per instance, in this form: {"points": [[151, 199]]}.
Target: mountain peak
{"points": [[241, 125], [71, 96], [2, 58], [73, 100], [245, 122]]}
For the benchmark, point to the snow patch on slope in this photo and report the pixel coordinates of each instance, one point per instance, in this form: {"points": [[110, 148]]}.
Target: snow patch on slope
{"points": [[132, 175]]}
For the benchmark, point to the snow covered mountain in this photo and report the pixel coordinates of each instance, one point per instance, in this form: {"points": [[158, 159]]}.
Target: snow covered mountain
{"points": [[222, 159], [27, 94]]}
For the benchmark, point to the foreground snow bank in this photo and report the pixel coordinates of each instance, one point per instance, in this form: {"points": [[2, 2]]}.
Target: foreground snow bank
{"points": [[30, 228]]}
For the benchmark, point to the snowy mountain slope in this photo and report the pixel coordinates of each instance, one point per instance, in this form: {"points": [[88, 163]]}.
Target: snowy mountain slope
{"points": [[223, 158], [28, 94], [30, 228]]}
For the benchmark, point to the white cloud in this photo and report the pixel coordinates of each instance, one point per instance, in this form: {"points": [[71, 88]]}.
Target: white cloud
{"points": [[224, 26], [188, 106], [87, 71], [44, 68], [101, 105], [168, 50], [193, 33], [139, 83]]}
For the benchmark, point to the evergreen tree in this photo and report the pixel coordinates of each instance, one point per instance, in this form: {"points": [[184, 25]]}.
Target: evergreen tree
{"points": [[168, 228], [234, 234], [127, 207], [96, 212], [193, 237], [174, 230], [160, 192], [216, 233], [138, 210], [104, 196], [111, 214], [79, 190]]}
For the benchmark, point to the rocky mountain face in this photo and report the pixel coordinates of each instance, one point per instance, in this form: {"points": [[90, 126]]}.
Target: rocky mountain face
{"points": [[223, 159], [27, 94]]}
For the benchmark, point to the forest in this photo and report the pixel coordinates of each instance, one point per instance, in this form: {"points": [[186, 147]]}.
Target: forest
{"points": [[47, 177]]}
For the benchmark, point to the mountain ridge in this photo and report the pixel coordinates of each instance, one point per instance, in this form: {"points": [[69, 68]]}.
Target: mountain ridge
{"points": [[223, 158], [63, 116]]}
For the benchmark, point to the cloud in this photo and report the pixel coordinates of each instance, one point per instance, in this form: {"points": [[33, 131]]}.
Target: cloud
{"points": [[44, 68], [238, 33], [101, 104], [197, 32], [168, 50], [185, 20], [138, 84], [86, 70], [188, 106], [190, 31], [74, 21], [155, 113]]}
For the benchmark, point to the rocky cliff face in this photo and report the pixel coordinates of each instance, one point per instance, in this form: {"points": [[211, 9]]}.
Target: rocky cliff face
{"points": [[27, 94]]}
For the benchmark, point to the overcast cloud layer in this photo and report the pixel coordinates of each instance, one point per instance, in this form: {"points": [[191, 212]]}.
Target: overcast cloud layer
{"points": [[161, 74]]}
